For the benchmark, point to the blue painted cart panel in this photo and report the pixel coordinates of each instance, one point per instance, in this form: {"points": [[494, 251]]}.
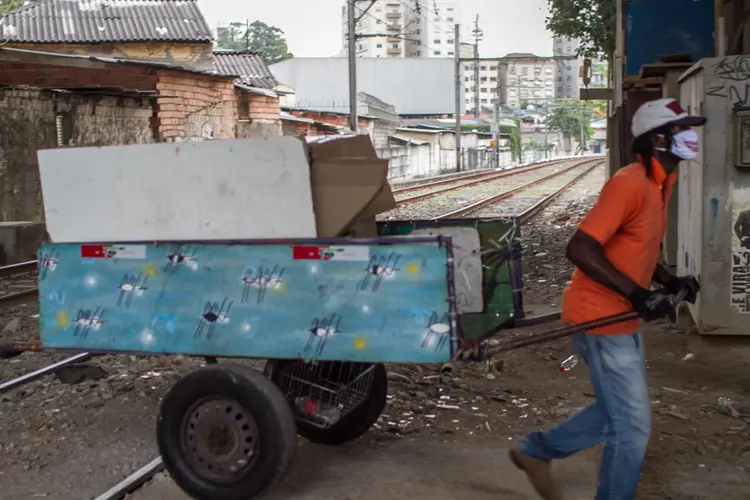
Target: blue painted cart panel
{"points": [[358, 301]]}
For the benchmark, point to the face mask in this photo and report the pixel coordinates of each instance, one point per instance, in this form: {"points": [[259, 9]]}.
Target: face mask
{"points": [[684, 145]]}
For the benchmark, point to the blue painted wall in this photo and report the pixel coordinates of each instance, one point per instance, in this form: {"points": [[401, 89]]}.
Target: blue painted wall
{"points": [[368, 302], [658, 27]]}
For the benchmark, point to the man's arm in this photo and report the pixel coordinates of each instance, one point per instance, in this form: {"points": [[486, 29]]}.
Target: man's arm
{"points": [[617, 203], [587, 254]]}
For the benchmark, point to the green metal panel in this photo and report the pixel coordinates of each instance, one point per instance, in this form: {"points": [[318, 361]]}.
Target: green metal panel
{"points": [[501, 269]]}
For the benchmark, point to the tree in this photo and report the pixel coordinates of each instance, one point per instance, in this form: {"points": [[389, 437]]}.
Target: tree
{"points": [[592, 22], [566, 118], [256, 36], [9, 5]]}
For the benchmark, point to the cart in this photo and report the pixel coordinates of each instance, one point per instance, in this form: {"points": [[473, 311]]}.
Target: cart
{"points": [[326, 314]]}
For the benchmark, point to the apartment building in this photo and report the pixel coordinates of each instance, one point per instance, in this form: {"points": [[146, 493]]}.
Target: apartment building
{"points": [[428, 25], [567, 71], [567, 79], [487, 78], [524, 78]]}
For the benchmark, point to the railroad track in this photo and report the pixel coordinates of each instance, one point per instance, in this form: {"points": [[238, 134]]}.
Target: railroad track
{"points": [[17, 283], [429, 190], [579, 170]]}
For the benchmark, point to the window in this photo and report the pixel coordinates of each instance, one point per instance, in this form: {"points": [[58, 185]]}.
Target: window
{"points": [[524, 71], [467, 68], [450, 53], [483, 68], [466, 79], [493, 78], [483, 79], [493, 68], [449, 41], [567, 78], [437, 52], [436, 41], [394, 45], [450, 19], [559, 78], [512, 70], [380, 45], [484, 101], [483, 89], [419, 53]]}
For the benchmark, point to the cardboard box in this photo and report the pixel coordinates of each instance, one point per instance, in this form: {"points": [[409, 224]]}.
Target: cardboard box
{"points": [[349, 185]]}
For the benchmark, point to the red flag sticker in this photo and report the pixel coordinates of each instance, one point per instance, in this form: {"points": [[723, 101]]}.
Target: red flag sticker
{"points": [[113, 251], [354, 253], [93, 252], [307, 253]]}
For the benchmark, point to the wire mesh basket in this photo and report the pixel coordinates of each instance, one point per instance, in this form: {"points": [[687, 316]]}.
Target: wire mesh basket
{"points": [[321, 393]]}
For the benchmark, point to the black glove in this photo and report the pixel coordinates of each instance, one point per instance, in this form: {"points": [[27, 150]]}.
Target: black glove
{"points": [[653, 305], [689, 283]]}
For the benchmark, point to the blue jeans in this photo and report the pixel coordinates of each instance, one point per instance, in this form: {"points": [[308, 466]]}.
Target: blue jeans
{"points": [[620, 417]]}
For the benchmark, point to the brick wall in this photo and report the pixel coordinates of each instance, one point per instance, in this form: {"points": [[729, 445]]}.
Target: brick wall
{"points": [[203, 106], [195, 54], [258, 115], [28, 122], [296, 129]]}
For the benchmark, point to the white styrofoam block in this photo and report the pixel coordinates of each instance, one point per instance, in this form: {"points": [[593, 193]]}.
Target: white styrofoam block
{"points": [[208, 190]]}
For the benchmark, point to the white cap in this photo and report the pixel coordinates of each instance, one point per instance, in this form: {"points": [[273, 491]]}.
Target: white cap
{"points": [[654, 114]]}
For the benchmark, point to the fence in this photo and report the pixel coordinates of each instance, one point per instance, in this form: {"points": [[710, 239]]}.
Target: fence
{"points": [[414, 162]]}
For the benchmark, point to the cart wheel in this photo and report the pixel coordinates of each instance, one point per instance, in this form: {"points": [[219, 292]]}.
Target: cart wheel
{"points": [[352, 424], [225, 432]]}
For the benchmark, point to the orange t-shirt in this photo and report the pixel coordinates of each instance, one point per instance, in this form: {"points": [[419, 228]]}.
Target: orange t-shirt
{"points": [[629, 220]]}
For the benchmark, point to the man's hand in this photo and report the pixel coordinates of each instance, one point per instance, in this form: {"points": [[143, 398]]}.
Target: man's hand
{"points": [[689, 283], [652, 305]]}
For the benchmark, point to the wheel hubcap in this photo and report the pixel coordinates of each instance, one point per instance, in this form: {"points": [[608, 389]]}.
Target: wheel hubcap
{"points": [[220, 439]]}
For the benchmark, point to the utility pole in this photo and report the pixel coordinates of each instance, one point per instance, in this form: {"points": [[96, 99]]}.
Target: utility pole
{"points": [[582, 136], [247, 34], [352, 37], [477, 38], [458, 89]]}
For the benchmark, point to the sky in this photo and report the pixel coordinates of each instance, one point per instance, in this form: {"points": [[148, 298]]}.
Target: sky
{"points": [[313, 27]]}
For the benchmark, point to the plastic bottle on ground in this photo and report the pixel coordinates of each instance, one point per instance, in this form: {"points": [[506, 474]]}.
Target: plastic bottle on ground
{"points": [[569, 363]]}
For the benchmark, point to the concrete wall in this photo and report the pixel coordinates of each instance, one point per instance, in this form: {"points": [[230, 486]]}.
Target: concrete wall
{"points": [[713, 191], [29, 122], [19, 241], [194, 54]]}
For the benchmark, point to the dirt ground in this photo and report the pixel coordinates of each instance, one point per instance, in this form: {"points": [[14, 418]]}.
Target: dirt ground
{"points": [[439, 438]]}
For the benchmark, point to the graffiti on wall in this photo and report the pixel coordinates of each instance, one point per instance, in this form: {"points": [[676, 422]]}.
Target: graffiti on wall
{"points": [[740, 278]]}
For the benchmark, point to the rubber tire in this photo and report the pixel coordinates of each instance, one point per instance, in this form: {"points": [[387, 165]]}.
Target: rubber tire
{"points": [[260, 398], [356, 423]]}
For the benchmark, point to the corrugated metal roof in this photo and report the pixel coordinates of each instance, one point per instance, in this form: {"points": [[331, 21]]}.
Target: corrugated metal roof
{"points": [[249, 65], [97, 21]]}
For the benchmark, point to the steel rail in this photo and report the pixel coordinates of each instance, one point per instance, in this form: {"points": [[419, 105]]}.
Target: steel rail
{"points": [[133, 482], [544, 202], [20, 268], [486, 177], [507, 194], [30, 377]]}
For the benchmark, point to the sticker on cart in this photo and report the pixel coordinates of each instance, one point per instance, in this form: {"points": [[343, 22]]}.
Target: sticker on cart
{"points": [[354, 253], [113, 251]]}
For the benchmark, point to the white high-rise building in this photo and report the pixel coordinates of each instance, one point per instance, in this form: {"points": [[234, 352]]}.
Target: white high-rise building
{"points": [[567, 80], [409, 28]]}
